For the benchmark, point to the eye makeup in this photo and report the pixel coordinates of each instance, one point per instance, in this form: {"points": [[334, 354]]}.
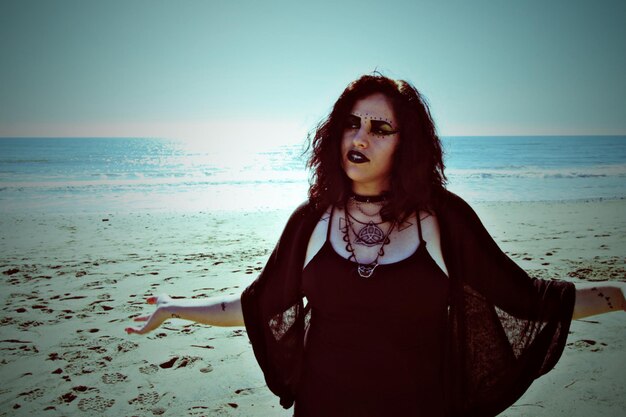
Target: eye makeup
{"points": [[353, 122], [378, 126]]}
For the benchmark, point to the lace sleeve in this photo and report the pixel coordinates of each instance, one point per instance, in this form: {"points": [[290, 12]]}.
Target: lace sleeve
{"points": [[506, 328], [273, 308]]}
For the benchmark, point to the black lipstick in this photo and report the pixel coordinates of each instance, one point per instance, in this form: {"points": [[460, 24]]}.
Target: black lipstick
{"points": [[357, 157]]}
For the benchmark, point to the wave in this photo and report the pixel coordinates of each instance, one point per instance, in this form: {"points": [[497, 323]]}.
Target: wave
{"points": [[24, 161], [203, 178], [141, 182], [608, 171]]}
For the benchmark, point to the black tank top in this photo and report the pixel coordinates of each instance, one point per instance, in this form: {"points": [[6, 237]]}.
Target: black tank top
{"points": [[374, 346]]}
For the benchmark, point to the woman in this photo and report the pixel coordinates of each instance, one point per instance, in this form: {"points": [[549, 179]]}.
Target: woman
{"points": [[385, 295]]}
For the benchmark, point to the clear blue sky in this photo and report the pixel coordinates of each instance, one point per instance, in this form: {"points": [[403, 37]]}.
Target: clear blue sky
{"points": [[273, 68]]}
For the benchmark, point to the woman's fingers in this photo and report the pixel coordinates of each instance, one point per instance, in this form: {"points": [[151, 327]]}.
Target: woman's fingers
{"points": [[136, 330], [153, 320], [149, 326], [130, 330], [161, 299]]}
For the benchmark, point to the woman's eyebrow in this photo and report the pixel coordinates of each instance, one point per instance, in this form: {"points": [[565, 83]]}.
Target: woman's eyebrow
{"points": [[379, 123], [367, 116]]}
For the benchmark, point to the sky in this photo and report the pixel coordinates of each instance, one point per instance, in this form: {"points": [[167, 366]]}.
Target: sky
{"points": [[270, 70]]}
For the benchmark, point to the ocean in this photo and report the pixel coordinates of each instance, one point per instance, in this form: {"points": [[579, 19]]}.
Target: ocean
{"points": [[106, 175]]}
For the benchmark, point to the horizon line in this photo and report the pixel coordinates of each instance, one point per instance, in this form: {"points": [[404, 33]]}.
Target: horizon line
{"points": [[184, 139]]}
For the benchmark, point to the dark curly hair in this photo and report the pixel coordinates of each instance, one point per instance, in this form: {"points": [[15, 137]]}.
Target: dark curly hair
{"points": [[417, 175]]}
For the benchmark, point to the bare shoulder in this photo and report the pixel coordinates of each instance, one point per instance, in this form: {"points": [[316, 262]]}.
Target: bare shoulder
{"points": [[430, 233], [318, 237], [430, 226]]}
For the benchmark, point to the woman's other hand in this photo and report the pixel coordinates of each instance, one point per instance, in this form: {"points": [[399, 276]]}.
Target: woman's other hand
{"points": [[155, 319]]}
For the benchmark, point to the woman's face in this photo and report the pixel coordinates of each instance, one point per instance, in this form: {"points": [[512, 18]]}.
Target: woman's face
{"points": [[370, 137]]}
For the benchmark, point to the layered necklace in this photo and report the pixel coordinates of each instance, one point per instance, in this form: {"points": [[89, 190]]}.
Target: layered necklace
{"points": [[370, 233]]}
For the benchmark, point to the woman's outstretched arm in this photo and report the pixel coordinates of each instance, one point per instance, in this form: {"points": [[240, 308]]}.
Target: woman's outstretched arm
{"points": [[592, 299], [216, 311]]}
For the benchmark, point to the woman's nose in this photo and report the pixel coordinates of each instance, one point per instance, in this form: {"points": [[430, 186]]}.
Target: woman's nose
{"points": [[360, 139]]}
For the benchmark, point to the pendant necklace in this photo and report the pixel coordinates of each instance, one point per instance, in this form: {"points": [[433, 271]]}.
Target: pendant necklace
{"points": [[378, 201], [378, 208], [370, 235]]}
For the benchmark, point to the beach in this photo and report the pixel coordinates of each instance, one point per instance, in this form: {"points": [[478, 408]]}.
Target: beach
{"points": [[72, 282], [155, 148]]}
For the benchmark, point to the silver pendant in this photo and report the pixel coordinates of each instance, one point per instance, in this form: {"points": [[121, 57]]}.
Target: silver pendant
{"points": [[366, 271]]}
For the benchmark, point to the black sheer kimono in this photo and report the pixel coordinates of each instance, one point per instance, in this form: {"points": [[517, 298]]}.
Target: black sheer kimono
{"points": [[504, 328]]}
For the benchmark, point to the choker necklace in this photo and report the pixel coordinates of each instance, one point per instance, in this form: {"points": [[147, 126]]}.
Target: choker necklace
{"points": [[369, 198]]}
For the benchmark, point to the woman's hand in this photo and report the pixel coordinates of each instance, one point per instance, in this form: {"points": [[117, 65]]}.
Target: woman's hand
{"points": [[155, 319], [223, 310]]}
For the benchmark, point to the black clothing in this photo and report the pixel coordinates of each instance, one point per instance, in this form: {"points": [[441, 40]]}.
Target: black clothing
{"points": [[503, 330], [373, 347]]}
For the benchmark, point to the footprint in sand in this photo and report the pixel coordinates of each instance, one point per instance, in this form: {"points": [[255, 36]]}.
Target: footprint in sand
{"points": [[246, 391], [70, 396], [97, 349], [31, 395], [67, 398], [96, 403], [149, 369], [29, 324], [198, 410], [43, 307], [7, 321], [236, 333], [18, 347], [127, 346], [113, 378], [132, 307], [206, 369], [83, 361], [587, 344], [146, 398], [170, 363], [93, 285], [177, 362]]}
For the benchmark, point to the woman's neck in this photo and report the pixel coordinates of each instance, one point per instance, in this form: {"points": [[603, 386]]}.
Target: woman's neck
{"points": [[372, 191], [359, 198]]}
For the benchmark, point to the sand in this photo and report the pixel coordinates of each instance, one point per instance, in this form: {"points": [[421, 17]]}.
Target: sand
{"points": [[71, 283]]}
